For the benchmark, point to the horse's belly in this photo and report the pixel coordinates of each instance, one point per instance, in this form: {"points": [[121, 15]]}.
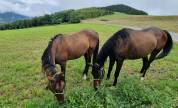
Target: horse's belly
{"points": [[137, 56], [69, 56], [76, 53], [76, 56], [140, 53]]}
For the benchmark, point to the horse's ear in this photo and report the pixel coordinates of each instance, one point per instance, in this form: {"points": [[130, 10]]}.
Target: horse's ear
{"points": [[90, 64], [50, 78]]}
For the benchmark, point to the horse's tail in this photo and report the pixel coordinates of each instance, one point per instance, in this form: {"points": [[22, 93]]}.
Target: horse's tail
{"points": [[95, 53], [167, 48]]}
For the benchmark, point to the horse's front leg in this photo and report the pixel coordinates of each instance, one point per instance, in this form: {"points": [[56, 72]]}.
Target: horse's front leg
{"points": [[63, 68], [87, 62], [111, 64], [118, 68]]}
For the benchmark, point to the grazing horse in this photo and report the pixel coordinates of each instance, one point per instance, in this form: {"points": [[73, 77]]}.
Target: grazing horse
{"points": [[131, 44], [62, 48]]}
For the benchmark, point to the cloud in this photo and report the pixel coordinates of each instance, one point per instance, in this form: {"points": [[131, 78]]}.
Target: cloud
{"points": [[155, 7], [41, 7], [30, 7]]}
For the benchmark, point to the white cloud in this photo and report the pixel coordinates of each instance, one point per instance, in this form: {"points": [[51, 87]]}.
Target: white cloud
{"points": [[41, 7], [29, 7], [31, 1]]}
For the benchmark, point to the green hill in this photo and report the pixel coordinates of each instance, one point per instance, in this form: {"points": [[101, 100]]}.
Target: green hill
{"points": [[72, 16], [125, 9], [68, 16], [9, 17]]}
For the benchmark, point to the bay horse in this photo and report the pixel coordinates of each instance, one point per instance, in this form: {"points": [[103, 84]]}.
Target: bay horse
{"points": [[131, 44], [62, 48]]}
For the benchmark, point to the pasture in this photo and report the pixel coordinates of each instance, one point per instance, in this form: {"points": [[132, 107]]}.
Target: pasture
{"points": [[22, 84], [165, 22]]}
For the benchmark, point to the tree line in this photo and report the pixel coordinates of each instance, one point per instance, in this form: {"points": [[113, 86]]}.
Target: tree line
{"points": [[68, 16], [71, 16]]}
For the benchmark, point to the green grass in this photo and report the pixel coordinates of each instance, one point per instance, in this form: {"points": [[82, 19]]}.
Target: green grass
{"points": [[23, 85]]}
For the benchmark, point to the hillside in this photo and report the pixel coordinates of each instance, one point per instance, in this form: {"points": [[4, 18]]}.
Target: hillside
{"points": [[125, 9], [138, 21], [9, 17], [67, 16], [72, 16]]}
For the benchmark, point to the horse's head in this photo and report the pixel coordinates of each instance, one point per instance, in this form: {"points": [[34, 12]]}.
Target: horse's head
{"points": [[56, 85], [98, 75]]}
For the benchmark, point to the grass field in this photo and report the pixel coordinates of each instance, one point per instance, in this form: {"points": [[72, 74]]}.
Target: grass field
{"points": [[22, 85], [141, 21]]}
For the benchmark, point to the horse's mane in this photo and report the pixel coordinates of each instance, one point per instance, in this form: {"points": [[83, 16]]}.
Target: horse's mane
{"points": [[47, 56], [107, 49], [122, 34]]}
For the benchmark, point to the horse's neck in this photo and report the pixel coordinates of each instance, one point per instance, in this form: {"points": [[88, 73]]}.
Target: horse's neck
{"points": [[51, 70], [102, 56]]}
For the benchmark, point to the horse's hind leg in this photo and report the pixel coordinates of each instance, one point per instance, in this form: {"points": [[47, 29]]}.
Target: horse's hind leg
{"points": [[153, 55], [145, 63], [111, 64], [151, 59], [87, 57]]}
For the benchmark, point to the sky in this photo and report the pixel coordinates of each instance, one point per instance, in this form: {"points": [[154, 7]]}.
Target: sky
{"points": [[41, 7]]}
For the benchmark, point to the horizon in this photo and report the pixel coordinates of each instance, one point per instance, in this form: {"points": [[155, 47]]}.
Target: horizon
{"points": [[34, 8]]}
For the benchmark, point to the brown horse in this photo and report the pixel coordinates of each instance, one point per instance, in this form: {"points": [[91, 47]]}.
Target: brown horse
{"points": [[132, 44], [62, 48]]}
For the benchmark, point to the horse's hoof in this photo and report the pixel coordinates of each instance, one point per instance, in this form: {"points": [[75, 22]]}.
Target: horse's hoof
{"points": [[142, 78], [84, 77], [114, 84]]}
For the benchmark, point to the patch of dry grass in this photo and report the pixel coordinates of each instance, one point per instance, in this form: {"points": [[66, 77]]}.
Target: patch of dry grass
{"points": [[165, 22]]}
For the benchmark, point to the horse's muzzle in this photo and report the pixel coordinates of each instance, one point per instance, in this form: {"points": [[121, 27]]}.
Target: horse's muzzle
{"points": [[60, 98], [96, 83]]}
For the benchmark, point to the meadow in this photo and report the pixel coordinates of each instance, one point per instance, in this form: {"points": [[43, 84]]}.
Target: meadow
{"points": [[138, 21], [22, 84]]}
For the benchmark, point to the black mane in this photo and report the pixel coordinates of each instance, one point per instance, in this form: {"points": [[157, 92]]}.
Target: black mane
{"points": [[108, 47], [47, 56]]}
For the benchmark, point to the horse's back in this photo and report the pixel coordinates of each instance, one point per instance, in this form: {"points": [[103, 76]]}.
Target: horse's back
{"points": [[160, 35], [90, 33], [82, 37], [92, 36], [75, 45], [140, 43]]}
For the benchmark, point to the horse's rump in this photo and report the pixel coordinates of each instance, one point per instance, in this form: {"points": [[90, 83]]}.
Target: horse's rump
{"points": [[140, 43], [75, 45]]}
